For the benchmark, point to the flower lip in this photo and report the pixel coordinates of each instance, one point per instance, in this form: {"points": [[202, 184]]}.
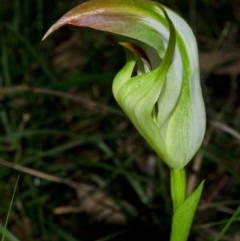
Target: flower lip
{"points": [[138, 51]]}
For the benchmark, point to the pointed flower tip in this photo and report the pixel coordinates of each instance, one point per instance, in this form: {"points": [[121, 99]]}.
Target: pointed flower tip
{"points": [[52, 29], [62, 21], [45, 36]]}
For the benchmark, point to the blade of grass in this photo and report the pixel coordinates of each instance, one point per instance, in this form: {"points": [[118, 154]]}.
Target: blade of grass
{"points": [[30, 133], [8, 234], [228, 224], [212, 224], [61, 94], [111, 236], [85, 79], [212, 157], [5, 64], [70, 145], [62, 233], [9, 210], [33, 51], [138, 187]]}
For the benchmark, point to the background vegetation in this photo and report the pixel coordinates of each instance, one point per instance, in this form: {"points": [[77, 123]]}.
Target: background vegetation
{"points": [[85, 173]]}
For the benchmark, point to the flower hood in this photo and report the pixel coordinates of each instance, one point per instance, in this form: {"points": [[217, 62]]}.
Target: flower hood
{"points": [[159, 87]]}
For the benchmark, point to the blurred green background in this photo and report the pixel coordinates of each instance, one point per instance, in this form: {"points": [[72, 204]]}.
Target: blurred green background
{"points": [[85, 173]]}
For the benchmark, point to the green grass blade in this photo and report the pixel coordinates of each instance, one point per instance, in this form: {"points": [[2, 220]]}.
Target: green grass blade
{"points": [[7, 234], [63, 233], [111, 236], [230, 221], [9, 210]]}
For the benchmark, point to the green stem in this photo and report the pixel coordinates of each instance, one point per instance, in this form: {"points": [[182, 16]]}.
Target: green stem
{"points": [[183, 208], [178, 187]]}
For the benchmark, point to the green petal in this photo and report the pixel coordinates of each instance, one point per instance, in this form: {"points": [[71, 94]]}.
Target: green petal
{"points": [[138, 96]]}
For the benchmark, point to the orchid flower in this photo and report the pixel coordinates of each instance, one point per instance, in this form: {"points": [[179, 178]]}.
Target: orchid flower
{"points": [[163, 100], [159, 87]]}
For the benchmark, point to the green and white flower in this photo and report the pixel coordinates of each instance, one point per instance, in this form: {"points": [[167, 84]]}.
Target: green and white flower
{"points": [[159, 87]]}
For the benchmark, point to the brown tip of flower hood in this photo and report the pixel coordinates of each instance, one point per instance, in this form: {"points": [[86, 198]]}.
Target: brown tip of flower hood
{"points": [[62, 21], [82, 15]]}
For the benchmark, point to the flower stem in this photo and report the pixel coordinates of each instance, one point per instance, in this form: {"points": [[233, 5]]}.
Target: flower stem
{"points": [[178, 187], [183, 208]]}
